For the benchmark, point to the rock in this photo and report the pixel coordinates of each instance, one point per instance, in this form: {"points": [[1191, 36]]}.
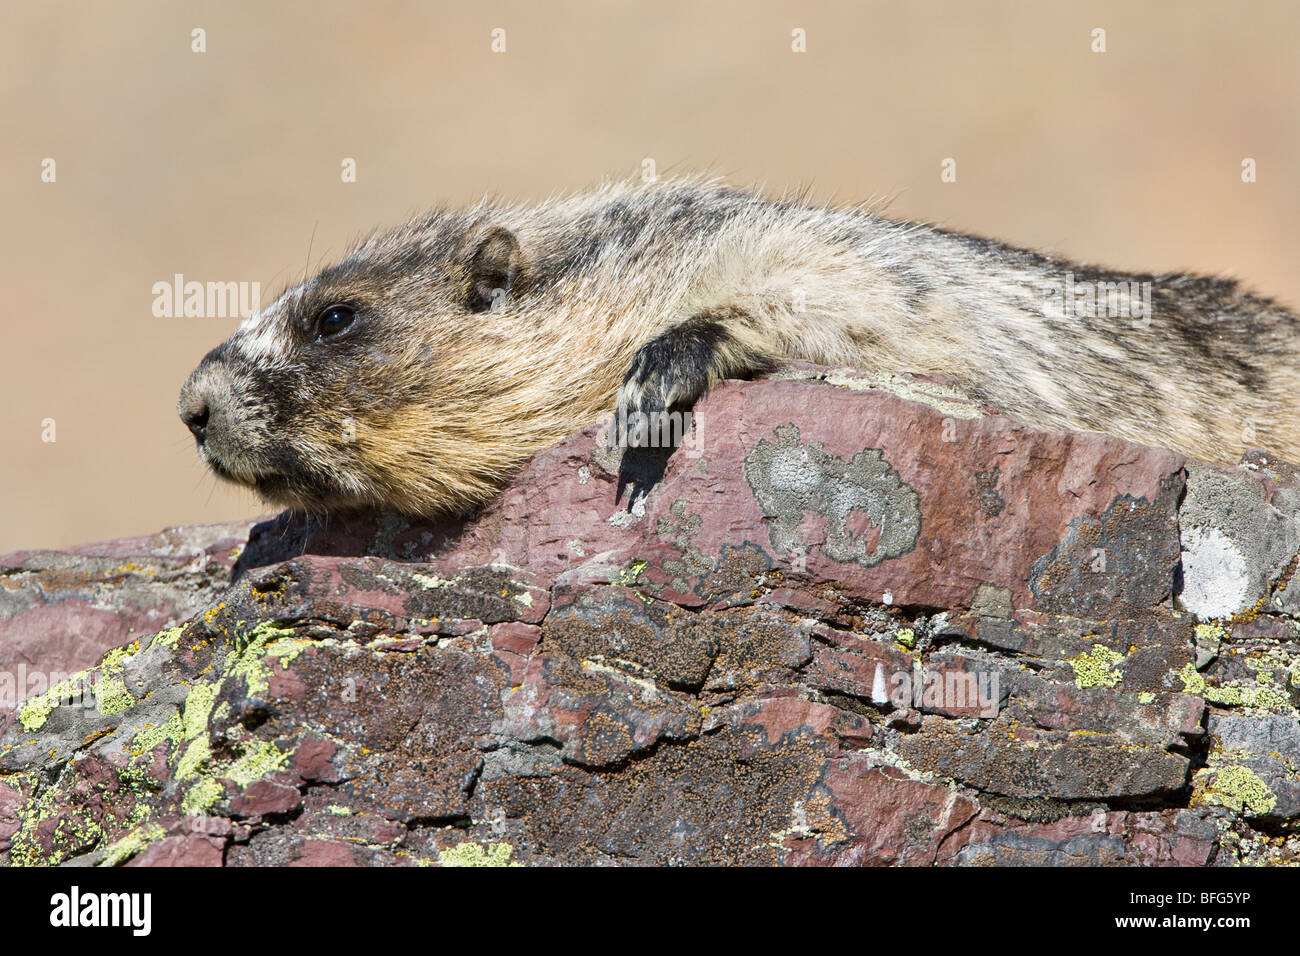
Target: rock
{"points": [[1239, 533], [1255, 766], [856, 621], [61, 611]]}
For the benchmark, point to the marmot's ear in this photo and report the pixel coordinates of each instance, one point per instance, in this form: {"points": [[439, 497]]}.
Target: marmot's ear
{"points": [[494, 266]]}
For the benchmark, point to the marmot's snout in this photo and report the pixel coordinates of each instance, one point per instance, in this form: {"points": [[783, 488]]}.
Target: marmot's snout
{"points": [[195, 406], [210, 407], [194, 412]]}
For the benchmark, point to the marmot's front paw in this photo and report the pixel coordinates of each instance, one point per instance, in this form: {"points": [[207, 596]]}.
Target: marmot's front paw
{"points": [[670, 373], [651, 388], [665, 379]]}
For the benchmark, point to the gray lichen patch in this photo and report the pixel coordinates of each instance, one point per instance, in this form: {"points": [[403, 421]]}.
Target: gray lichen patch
{"points": [[793, 480], [1236, 540], [1126, 556]]}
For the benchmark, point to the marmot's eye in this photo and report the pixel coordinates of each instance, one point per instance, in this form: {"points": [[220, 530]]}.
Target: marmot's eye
{"points": [[334, 321]]}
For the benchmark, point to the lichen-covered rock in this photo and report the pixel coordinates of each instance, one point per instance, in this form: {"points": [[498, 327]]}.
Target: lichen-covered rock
{"points": [[60, 611], [854, 621], [1239, 535]]}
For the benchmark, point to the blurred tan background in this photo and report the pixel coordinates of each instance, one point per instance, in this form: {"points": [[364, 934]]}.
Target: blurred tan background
{"points": [[220, 165]]}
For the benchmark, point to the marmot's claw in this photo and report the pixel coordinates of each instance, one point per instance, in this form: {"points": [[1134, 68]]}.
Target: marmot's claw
{"points": [[667, 375], [642, 403]]}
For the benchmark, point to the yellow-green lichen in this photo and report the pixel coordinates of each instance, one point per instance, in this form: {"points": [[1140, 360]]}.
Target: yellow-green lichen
{"points": [[470, 853], [111, 694], [286, 650], [109, 691], [1240, 788], [251, 663], [1263, 694], [169, 637], [1195, 683], [116, 658], [1271, 698], [198, 705], [51, 831], [131, 844], [629, 575], [148, 737], [259, 758], [187, 725], [201, 797], [35, 712], [907, 637], [74, 832], [1097, 668], [1210, 632], [194, 758]]}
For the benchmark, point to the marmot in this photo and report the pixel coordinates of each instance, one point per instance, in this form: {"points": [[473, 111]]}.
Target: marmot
{"points": [[422, 370]]}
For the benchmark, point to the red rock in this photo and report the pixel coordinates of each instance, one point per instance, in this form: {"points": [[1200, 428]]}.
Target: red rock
{"points": [[517, 638], [324, 853], [11, 798], [312, 760], [61, 611], [263, 797], [706, 676], [889, 819], [192, 850]]}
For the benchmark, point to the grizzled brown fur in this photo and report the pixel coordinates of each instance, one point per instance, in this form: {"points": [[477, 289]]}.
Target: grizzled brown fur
{"points": [[421, 371]]}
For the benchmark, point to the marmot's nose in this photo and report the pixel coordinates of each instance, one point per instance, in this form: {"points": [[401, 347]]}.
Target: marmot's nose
{"points": [[195, 416]]}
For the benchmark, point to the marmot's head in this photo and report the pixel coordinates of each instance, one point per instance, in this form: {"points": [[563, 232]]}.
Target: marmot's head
{"points": [[373, 383]]}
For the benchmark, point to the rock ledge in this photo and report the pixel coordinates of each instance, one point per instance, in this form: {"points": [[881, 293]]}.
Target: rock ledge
{"points": [[857, 621]]}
